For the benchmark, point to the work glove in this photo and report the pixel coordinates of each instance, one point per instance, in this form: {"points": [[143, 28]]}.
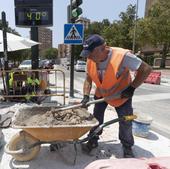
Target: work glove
{"points": [[85, 99], [128, 92]]}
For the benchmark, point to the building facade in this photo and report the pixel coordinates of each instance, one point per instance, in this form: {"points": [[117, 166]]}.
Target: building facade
{"points": [[45, 38], [64, 50], [84, 21]]}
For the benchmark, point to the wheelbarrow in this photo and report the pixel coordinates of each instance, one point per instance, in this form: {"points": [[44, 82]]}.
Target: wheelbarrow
{"points": [[25, 145]]}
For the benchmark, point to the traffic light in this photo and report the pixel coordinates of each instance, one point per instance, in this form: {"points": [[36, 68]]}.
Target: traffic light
{"points": [[75, 9]]}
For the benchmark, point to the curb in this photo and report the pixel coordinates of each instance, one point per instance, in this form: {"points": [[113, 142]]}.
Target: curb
{"points": [[160, 129]]}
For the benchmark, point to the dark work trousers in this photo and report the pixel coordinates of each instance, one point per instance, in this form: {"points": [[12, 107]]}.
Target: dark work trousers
{"points": [[125, 127]]}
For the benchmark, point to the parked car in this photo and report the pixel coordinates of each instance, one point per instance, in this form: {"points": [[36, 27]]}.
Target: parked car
{"points": [[68, 64], [80, 66], [46, 64], [11, 65], [25, 64], [49, 64], [41, 64]]}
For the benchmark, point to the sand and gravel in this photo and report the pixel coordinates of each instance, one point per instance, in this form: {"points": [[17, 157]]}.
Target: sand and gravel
{"points": [[47, 116]]}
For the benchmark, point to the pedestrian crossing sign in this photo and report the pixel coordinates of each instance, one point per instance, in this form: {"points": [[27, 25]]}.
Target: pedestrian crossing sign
{"points": [[73, 33]]}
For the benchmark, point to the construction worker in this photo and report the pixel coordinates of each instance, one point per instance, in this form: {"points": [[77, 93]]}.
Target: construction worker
{"points": [[109, 68], [11, 79], [11, 82], [31, 88], [32, 83]]}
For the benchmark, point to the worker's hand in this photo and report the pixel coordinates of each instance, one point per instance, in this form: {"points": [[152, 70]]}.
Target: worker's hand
{"points": [[128, 92], [85, 99]]}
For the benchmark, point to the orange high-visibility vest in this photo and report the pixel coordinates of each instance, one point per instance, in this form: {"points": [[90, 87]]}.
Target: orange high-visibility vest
{"points": [[111, 85]]}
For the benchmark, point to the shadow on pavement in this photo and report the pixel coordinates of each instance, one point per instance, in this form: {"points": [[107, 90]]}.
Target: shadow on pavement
{"points": [[140, 152], [4, 105], [65, 157], [152, 136], [106, 151], [62, 159], [2, 143]]}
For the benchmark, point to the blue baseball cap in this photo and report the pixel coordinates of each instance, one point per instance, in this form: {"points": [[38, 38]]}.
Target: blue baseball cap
{"points": [[91, 43]]}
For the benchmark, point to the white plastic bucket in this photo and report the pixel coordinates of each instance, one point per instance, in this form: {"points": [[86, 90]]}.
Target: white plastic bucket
{"points": [[141, 125]]}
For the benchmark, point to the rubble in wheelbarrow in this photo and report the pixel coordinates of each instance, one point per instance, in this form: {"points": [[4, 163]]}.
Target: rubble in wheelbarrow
{"points": [[46, 116]]}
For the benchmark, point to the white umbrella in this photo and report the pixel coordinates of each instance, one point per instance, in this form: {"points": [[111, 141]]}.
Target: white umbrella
{"points": [[15, 42]]}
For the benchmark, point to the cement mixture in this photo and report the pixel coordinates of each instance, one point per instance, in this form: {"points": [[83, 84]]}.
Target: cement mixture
{"points": [[46, 116]]}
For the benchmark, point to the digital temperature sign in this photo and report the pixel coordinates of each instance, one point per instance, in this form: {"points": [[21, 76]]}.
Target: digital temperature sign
{"points": [[33, 16]]}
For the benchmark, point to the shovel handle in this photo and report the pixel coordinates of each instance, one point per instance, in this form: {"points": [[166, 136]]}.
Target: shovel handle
{"points": [[68, 107], [80, 105], [88, 103], [95, 101]]}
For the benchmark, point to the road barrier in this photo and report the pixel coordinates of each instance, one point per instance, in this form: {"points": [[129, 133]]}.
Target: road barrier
{"points": [[39, 84], [154, 78]]}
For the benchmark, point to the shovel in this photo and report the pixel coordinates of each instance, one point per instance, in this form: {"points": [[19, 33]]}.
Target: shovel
{"points": [[88, 103]]}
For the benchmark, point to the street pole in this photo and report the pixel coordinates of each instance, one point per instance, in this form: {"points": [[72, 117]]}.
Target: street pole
{"points": [[4, 27], [73, 13], [72, 59], [135, 27], [34, 49]]}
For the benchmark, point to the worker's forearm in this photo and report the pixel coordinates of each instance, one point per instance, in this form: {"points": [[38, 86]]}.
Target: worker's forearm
{"points": [[142, 73], [87, 87]]}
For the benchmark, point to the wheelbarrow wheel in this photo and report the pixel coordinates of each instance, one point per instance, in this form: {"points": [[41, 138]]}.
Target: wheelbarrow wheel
{"points": [[23, 140]]}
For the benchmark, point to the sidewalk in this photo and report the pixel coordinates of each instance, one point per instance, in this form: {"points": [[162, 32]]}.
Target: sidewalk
{"points": [[165, 76], [109, 148]]}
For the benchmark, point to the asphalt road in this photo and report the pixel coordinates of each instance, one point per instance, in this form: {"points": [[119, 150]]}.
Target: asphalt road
{"points": [[154, 100]]}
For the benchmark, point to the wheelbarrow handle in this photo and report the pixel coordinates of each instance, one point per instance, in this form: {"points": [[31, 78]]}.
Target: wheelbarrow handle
{"points": [[100, 127], [124, 118]]}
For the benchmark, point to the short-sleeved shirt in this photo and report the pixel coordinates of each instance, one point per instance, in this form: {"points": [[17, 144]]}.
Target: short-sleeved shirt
{"points": [[130, 61]]}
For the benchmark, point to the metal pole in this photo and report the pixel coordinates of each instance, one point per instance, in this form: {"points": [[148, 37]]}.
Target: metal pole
{"points": [[34, 49], [72, 72], [68, 13], [134, 33], [4, 26], [72, 59]]}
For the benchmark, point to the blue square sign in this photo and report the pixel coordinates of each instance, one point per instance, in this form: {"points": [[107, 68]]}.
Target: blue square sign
{"points": [[73, 33]]}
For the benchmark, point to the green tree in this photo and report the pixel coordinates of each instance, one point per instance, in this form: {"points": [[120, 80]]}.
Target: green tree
{"points": [[20, 55], [112, 35], [51, 53], [125, 26], [77, 51], [160, 27], [117, 33], [155, 29], [106, 22], [94, 28]]}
